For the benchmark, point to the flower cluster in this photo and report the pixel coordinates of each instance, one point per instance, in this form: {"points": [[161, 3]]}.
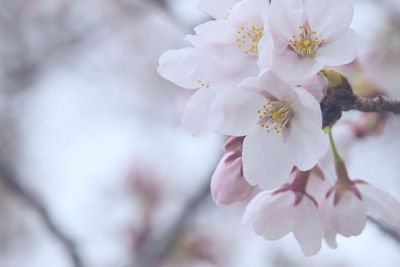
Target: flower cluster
{"points": [[256, 75]]}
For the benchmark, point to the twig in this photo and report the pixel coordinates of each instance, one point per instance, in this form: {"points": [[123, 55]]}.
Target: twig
{"points": [[7, 175], [340, 97], [377, 104], [389, 231]]}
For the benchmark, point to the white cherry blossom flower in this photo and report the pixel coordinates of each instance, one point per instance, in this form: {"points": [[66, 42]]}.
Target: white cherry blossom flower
{"points": [[294, 207], [348, 204], [237, 42], [309, 35], [282, 125]]}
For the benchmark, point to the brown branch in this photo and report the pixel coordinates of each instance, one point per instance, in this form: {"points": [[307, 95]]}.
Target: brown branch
{"points": [[340, 97], [377, 104], [9, 178]]}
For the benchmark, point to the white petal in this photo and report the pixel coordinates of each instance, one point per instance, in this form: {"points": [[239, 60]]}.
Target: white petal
{"points": [[308, 230], [179, 66], [291, 67], [216, 31], [195, 117], [216, 9], [329, 18], [307, 140], [248, 13], [339, 52], [266, 159], [330, 238], [234, 112], [285, 17], [265, 48], [271, 215], [317, 86], [349, 216], [381, 205]]}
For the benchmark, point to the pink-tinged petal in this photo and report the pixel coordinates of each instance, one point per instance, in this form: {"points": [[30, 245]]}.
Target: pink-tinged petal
{"points": [[217, 32], [317, 86], [271, 215], [349, 216], [216, 8], [308, 230], [285, 17], [307, 140], [330, 238], [318, 184], [248, 13], [329, 18], [381, 205], [269, 83], [265, 52], [227, 183], [340, 52], [266, 159], [180, 67], [234, 112], [195, 117], [291, 67]]}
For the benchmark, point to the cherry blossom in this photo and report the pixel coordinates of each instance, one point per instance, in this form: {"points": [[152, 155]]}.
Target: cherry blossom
{"points": [[294, 207], [282, 125], [309, 35], [228, 184], [238, 41], [348, 204]]}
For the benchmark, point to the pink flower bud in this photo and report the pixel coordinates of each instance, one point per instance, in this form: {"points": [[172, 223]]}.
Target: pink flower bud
{"points": [[228, 184]]}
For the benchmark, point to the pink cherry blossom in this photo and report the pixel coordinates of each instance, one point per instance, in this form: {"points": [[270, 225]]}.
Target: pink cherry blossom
{"points": [[309, 35], [291, 208], [282, 125], [237, 42], [346, 209], [228, 184]]}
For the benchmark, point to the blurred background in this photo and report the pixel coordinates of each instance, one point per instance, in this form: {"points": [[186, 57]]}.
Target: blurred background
{"points": [[96, 169]]}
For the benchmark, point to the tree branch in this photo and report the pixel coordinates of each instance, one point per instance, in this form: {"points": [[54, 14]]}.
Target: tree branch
{"points": [[340, 97], [377, 104], [8, 177]]}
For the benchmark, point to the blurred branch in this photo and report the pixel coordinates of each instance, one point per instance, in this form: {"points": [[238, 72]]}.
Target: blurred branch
{"points": [[154, 251], [389, 231], [8, 176]]}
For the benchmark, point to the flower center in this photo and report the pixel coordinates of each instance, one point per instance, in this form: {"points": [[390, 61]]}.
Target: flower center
{"points": [[248, 39], [306, 43], [203, 84], [274, 116]]}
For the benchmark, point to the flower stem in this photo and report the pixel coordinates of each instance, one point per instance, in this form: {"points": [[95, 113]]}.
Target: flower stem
{"points": [[338, 158]]}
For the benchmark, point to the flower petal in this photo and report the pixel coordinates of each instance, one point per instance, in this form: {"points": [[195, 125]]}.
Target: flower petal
{"points": [[266, 159], [348, 217], [227, 183], [291, 67], [328, 18], [195, 117], [216, 9], [381, 205], [285, 17], [234, 112], [271, 215], [307, 140], [340, 52], [308, 230], [179, 66]]}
